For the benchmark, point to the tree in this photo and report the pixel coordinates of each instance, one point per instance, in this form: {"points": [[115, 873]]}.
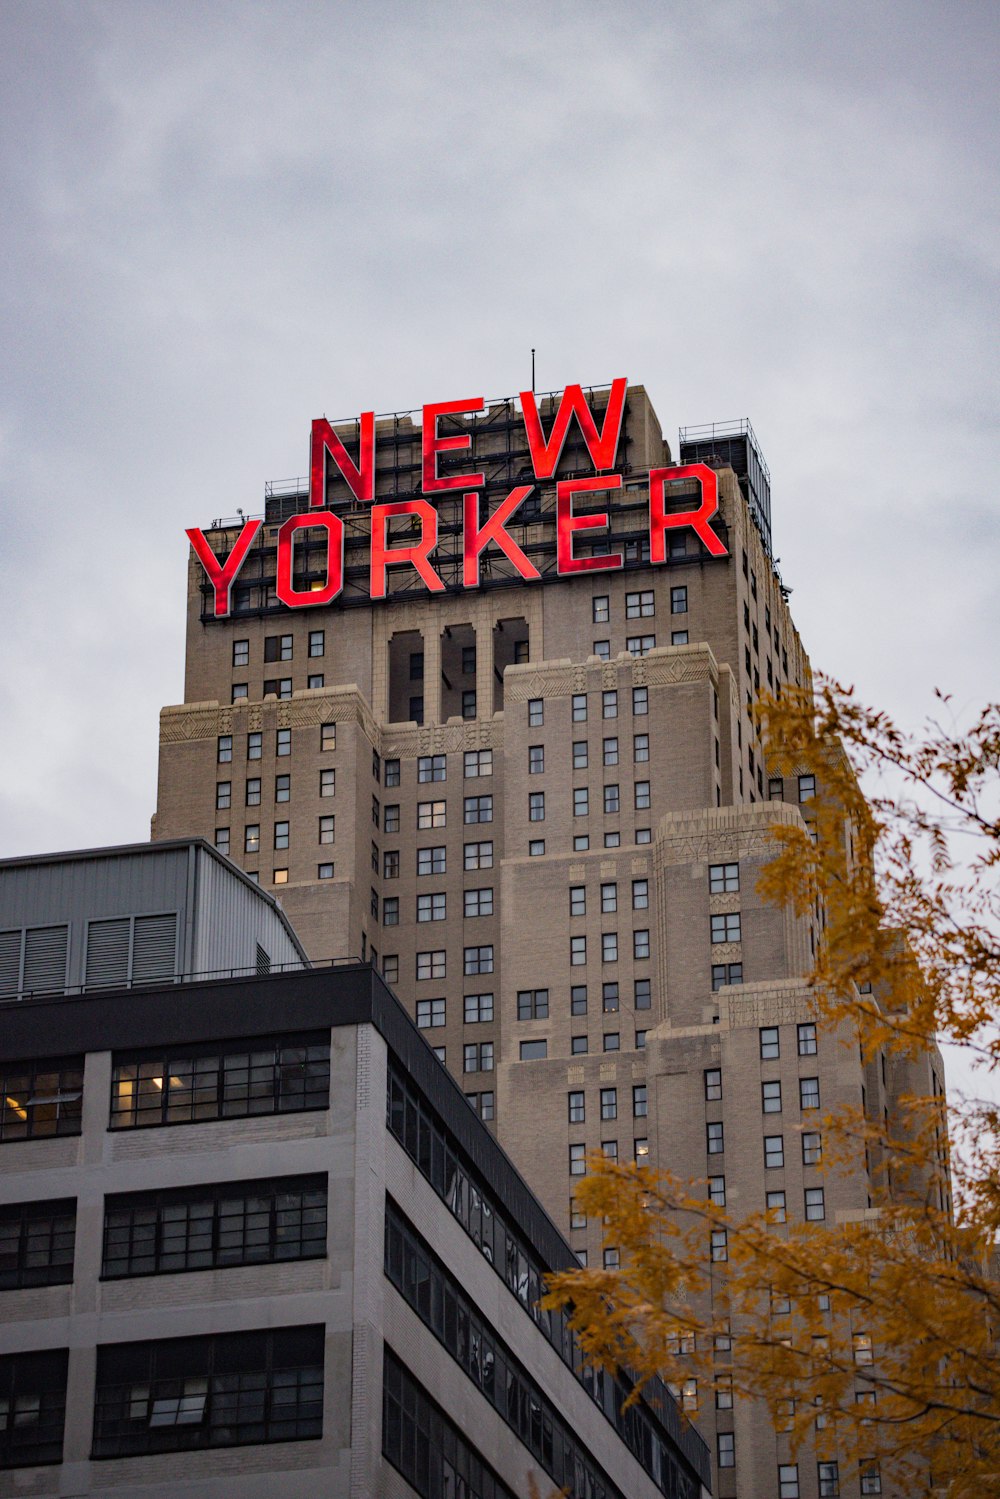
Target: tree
{"points": [[875, 1340]]}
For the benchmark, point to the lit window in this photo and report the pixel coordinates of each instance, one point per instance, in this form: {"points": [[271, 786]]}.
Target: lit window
{"points": [[251, 838], [862, 1345], [328, 736], [601, 609]]}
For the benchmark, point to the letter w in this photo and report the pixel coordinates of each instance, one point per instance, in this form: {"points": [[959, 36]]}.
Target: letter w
{"points": [[601, 446]]}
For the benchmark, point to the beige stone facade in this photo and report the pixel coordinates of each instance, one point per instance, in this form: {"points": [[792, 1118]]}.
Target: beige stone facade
{"points": [[560, 884]]}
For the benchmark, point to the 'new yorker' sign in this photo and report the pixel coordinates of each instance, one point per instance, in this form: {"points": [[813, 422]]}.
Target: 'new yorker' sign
{"points": [[326, 447]]}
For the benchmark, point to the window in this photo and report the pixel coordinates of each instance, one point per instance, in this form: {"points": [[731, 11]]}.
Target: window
{"points": [[788, 1481], [390, 864], [430, 1013], [726, 973], [223, 1390], [253, 791], [579, 707], [327, 826], [430, 815], [390, 910], [611, 800], [577, 951], [771, 1097], [609, 897], [431, 860], [609, 947], [639, 1101], [715, 1138], [241, 653], [375, 811], [536, 759], [610, 752], [640, 701], [609, 1103], [327, 783], [815, 1206], [224, 749], [577, 1218], [774, 1151], [251, 838], [390, 968], [431, 965], [431, 907], [478, 1008], [283, 742], [391, 773], [726, 928], [533, 1051], [578, 1046], [871, 1481], [278, 647], [809, 1092], [416, 672], [609, 705], [611, 1259], [536, 806], [468, 660], [36, 1247], [580, 754], [723, 878], [775, 1203], [440, 1054], [612, 1041], [281, 835], [477, 1056], [478, 855], [719, 1246], [829, 1480], [324, 871], [478, 763], [280, 877], [807, 788], [602, 649], [536, 712], [478, 959], [223, 795], [479, 902], [640, 605], [643, 994], [862, 1347], [678, 600], [643, 835], [241, 691], [640, 944], [717, 1190], [581, 842], [270, 1076], [328, 736], [533, 1004], [807, 1039], [469, 703], [812, 1147], [769, 1043], [639, 645], [315, 679], [222, 840], [278, 687], [214, 1227], [32, 1408], [432, 768], [581, 801], [316, 643], [577, 1160], [641, 795], [478, 809], [255, 746], [713, 1084], [484, 1104], [601, 609]]}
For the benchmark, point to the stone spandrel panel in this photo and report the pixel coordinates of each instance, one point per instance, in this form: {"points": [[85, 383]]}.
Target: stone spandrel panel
{"points": [[753, 1005]]}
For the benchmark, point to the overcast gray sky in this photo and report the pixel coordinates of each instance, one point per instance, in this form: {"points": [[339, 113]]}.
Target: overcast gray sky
{"points": [[222, 219]]}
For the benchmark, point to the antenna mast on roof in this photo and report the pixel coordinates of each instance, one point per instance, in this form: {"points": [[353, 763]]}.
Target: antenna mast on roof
{"points": [[532, 372]]}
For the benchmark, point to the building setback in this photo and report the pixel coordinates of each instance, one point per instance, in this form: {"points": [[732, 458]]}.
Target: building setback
{"points": [[540, 809], [254, 1240]]}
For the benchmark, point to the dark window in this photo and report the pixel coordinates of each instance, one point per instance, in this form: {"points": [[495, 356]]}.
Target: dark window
{"points": [[533, 1004], [219, 1391], [36, 1243], [420, 1441], [215, 1226], [478, 809], [33, 1408], [41, 1098], [271, 1076], [533, 1051]]}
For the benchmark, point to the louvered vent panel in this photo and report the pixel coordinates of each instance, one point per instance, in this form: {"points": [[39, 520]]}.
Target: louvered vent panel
{"points": [[263, 962], [107, 951], [45, 958], [154, 948], [10, 961]]}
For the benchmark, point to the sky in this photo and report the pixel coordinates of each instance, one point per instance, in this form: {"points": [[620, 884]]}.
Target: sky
{"points": [[223, 219]]}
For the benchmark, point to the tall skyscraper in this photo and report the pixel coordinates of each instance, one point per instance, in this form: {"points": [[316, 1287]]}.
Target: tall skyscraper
{"points": [[512, 763]]}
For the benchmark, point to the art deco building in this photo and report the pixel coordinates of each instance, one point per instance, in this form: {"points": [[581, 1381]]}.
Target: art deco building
{"points": [[540, 809]]}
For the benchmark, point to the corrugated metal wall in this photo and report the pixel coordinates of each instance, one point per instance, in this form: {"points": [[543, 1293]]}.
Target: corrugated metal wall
{"points": [[231, 919]]}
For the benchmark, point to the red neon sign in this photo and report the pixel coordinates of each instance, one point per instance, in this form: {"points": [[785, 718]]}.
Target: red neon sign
{"points": [[477, 534]]}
